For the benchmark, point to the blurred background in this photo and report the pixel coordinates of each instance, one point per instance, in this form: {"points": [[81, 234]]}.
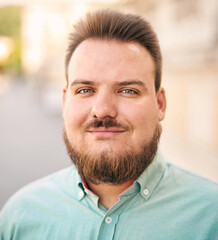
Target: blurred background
{"points": [[33, 39]]}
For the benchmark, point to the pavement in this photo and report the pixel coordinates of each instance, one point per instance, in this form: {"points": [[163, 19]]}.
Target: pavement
{"points": [[31, 143]]}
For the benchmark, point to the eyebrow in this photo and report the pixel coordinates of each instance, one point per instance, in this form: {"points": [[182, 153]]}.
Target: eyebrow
{"points": [[131, 82], [123, 83], [81, 81]]}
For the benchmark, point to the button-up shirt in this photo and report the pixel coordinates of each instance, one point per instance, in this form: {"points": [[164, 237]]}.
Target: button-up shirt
{"points": [[165, 202]]}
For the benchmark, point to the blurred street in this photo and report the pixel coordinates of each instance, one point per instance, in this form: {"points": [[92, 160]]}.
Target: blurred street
{"points": [[31, 143]]}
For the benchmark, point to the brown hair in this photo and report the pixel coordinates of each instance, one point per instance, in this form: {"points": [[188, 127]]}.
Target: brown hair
{"points": [[110, 24]]}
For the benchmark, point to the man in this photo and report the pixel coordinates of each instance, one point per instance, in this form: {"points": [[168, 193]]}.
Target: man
{"points": [[119, 187]]}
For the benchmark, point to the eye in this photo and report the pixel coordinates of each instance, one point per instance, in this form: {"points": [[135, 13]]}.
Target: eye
{"points": [[129, 91], [85, 91]]}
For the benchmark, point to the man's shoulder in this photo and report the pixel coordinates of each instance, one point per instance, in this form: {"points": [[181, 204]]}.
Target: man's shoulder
{"points": [[191, 183], [40, 201], [48, 187], [50, 182]]}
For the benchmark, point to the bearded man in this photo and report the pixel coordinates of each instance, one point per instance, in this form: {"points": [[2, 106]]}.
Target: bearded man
{"points": [[119, 186]]}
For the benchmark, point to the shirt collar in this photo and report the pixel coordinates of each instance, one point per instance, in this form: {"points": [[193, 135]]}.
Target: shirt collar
{"points": [[76, 184], [151, 176], [146, 182]]}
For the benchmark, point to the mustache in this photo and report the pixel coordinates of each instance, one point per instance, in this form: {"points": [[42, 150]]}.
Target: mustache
{"points": [[107, 123]]}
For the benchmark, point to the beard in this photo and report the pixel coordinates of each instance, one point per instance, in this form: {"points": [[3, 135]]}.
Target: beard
{"points": [[110, 167]]}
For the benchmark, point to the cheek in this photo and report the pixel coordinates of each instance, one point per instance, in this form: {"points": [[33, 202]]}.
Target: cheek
{"points": [[143, 118], [140, 113], [75, 113]]}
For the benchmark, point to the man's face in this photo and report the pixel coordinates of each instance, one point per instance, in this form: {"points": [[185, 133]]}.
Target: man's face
{"points": [[110, 106]]}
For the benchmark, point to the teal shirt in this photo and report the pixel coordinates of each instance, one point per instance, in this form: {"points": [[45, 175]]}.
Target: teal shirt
{"points": [[164, 203]]}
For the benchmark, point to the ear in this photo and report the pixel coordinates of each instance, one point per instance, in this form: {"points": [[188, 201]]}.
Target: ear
{"points": [[162, 104], [64, 93]]}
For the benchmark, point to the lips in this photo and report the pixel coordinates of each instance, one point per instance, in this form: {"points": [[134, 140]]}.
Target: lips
{"points": [[106, 132]]}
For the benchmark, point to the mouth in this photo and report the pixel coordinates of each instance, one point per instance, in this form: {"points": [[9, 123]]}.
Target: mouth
{"points": [[103, 132]]}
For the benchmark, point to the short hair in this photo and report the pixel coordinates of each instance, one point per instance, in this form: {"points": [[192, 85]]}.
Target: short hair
{"points": [[110, 24]]}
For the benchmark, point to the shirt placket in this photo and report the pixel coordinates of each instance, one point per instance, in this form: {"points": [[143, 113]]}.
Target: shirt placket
{"points": [[110, 221]]}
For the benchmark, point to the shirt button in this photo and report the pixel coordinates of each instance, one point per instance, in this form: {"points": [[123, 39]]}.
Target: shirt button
{"points": [[108, 220], [145, 191]]}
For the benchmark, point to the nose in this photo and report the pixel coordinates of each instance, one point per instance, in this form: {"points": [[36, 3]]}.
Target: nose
{"points": [[104, 105]]}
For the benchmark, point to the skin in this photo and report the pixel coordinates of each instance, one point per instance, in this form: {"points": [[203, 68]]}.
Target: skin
{"points": [[111, 79]]}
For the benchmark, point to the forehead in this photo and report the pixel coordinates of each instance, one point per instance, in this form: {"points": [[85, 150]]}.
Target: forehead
{"points": [[95, 58], [108, 47]]}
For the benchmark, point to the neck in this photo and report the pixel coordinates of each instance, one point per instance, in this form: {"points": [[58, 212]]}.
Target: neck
{"points": [[109, 194]]}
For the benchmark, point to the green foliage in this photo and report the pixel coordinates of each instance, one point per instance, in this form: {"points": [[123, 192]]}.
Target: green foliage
{"points": [[10, 26]]}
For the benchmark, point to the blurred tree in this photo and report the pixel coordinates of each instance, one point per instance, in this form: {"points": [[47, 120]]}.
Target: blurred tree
{"points": [[10, 26]]}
